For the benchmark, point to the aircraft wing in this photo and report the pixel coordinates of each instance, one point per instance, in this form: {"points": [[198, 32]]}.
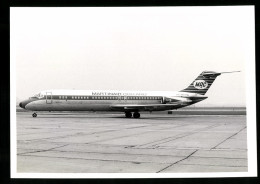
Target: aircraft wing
{"points": [[147, 107]]}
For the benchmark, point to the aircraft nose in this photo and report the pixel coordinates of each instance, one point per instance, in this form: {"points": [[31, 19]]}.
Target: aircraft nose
{"points": [[21, 104]]}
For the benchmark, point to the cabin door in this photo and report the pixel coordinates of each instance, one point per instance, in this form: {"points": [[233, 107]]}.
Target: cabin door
{"points": [[48, 97]]}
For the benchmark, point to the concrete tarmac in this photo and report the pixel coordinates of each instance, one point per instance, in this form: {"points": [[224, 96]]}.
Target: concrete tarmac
{"points": [[111, 143]]}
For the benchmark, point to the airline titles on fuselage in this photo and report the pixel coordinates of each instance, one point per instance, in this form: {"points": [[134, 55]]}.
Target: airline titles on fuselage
{"points": [[117, 94]]}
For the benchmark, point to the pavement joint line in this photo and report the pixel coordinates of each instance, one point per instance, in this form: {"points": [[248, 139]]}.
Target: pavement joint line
{"points": [[185, 148], [108, 160], [215, 165], [221, 157], [173, 127], [178, 136], [130, 135], [112, 138], [82, 133], [134, 154], [177, 162], [44, 150], [130, 154], [229, 137], [207, 149], [70, 135]]}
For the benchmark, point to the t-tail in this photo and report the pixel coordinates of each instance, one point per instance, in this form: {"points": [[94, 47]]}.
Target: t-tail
{"points": [[203, 82]]}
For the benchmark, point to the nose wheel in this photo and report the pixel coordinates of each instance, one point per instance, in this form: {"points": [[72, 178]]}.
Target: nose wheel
{"points": [[34, 115]]}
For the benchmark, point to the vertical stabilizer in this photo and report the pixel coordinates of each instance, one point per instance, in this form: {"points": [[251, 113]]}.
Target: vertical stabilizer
{"points": [[203, 82]]}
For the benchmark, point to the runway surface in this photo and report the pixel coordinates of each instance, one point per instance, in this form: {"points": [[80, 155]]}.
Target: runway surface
{"points": [[110, 143]]}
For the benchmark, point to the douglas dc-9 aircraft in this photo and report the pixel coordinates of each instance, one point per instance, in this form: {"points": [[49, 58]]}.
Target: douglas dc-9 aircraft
{"points": [[129, 102]]}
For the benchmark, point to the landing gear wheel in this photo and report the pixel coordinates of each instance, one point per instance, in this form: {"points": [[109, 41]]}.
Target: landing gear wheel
{"points": [[34, 115], [136, 115], [128, 114]]}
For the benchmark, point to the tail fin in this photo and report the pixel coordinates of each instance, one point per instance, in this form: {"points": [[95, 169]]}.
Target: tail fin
{"points": [[203, 82]]}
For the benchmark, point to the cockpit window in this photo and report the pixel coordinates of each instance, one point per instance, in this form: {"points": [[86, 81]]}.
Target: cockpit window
{"points": [[39, 95]]}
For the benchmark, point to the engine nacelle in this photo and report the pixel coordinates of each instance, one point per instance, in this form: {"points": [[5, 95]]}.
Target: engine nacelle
{"points": [[180, 100]]}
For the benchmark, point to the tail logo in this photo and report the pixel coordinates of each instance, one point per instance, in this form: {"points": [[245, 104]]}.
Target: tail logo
{"points": [[200, 84]]}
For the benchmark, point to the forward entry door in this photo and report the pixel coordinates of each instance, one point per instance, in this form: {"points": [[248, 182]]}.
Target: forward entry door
{"points": [[48, 97]]}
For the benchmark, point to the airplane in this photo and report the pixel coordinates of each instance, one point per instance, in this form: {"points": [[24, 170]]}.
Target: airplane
{"points": [[129, 102]]}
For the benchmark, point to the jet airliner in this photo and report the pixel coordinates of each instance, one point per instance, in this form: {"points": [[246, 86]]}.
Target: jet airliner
{"points": [[129, 102]]}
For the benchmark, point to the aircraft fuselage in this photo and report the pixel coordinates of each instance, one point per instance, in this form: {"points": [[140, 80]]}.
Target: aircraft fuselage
{"points": [[74, 100]]}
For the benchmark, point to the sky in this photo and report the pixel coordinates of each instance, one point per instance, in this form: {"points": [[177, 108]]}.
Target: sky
{"points": [[131, 48]]}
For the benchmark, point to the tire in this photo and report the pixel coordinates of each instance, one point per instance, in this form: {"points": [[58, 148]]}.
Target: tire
{"points": [[136, 115], [128, 114]]}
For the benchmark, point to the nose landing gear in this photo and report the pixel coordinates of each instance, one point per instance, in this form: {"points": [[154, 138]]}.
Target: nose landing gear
{"points": [[34, 115]]}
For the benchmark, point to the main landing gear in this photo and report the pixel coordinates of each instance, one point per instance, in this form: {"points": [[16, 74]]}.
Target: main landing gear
{"points": [[129, 115], [34, 115]]}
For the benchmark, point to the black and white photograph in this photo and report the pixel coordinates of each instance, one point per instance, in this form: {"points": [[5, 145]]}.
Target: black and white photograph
{"points": [[133, 92]]}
